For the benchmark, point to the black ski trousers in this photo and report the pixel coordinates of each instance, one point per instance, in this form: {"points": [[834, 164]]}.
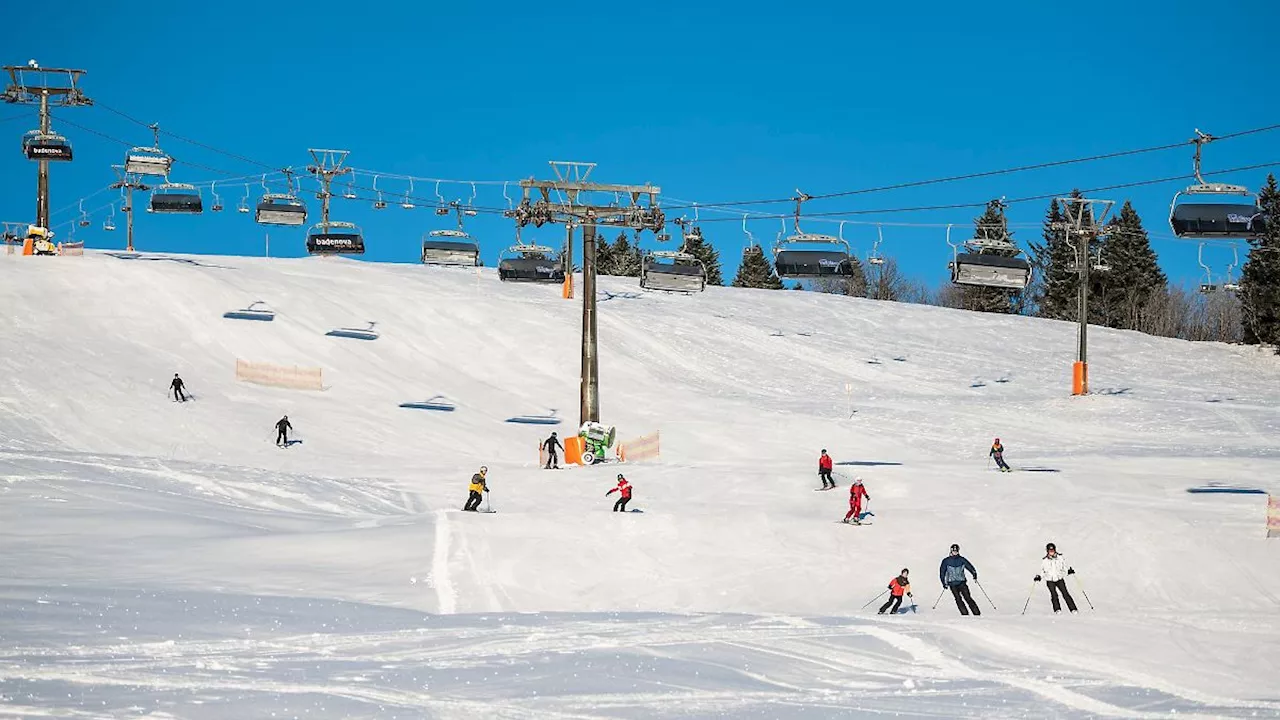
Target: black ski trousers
{"points": [[961, 593], [825, 476], [621, 505], [178, 394], [552, 458], [473, 501], [1000, 461], [1060, 586], [282, 436], [895, 601]]}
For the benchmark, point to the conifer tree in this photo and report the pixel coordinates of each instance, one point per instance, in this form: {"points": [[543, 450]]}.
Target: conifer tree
{"points": [[1133, 280], [606, 262], [625, 256], [756, 271], [1260, 279], [696, 245], [992, 223], [1054, 261]]}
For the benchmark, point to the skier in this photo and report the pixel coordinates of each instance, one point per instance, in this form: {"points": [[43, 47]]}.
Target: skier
{"points": [[478, 486], [951, 574], [824, 470], [897, 587], [282, 431], [624, 494], [1054, 570], [550, 445], [176, 387], [856, 493], [997, 452]]}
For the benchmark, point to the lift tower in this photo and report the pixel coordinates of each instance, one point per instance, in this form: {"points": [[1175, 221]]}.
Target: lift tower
{"points": [[31, 84]]}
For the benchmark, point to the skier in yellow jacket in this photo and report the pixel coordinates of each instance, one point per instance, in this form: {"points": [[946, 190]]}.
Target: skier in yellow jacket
{"points": [[478, 486]]}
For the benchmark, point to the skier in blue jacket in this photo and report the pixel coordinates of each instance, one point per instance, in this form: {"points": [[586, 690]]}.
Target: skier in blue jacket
{"points": [[951, 575]]}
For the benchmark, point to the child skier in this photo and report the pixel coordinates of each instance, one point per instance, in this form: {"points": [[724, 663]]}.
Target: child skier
{"points": [[824, 470], [550, 445], [856, 493], [897, 587], [624, 494], [1054, 570], [997, 452], [478, 486]]}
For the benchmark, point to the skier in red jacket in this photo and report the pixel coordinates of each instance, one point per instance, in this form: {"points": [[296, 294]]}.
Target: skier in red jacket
{"points": [[856, 493], [624, 492], [824, 470]]}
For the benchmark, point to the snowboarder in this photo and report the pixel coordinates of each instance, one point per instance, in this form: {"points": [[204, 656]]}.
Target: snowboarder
{"points": [[624, 494], [177, 388], [1054, 571], [897, 588], [478, 486], [282, 431], [951, 574], [997, 452], [824, 470], [856, 493], [550, 445]]}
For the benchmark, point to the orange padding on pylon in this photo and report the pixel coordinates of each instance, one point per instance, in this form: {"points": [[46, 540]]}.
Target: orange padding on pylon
{"points": [[573, 450], [1080, 378]]}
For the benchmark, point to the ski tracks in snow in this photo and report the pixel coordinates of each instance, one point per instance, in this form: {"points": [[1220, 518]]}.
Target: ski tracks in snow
{"points": [[446, 596]]}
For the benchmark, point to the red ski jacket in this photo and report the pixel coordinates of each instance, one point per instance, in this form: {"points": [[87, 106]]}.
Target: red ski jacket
{"points": [[824, 462], [858, 491], [624, 487]]}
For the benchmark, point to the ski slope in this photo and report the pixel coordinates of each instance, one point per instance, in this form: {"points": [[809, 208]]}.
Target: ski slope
{"points": [[167, 560]]}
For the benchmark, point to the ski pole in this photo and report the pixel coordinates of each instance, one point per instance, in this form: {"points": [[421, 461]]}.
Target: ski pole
{"points": [[1082, 592], [875, 599], [1028, 602], [984, 593], [935, 602]]}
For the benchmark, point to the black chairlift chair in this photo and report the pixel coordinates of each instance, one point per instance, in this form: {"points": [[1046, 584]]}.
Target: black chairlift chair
{"points": [[176, 199], [335, 238], [668, 271], [530, 263], [281, 209], [450, 248], [1214, 210], [990, 261], [46, 146], [827, 256]]}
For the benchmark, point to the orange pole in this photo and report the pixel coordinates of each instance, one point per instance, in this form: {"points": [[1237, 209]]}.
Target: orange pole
{"points": [[1080, 378]]}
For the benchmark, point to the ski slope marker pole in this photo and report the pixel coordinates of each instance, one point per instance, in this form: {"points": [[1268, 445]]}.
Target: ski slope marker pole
{"points": [[1028, 602], [864, 607], [1082, 592], [984, 594]]}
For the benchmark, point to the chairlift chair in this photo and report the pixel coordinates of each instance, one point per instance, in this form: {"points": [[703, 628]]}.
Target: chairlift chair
{"points": [[253, 312], [834, 258], [873, 257], [335, 238], [450, 248], [243, 207], [378, 204], [989, 262], [407, 203], [176, 199], [530, 263], [109, 225], [147, 161], [1214, 210], [217, 199], [281, 209], [84, 217], [669, 271], [46, 146]]}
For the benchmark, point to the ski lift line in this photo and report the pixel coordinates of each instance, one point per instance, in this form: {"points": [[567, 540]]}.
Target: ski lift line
{"points": [[78, 126], [419, 178], [993, 173], [198, 184]]}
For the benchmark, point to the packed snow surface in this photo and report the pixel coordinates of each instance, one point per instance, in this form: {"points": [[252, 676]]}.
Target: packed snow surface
{"points": [[166, 560]]}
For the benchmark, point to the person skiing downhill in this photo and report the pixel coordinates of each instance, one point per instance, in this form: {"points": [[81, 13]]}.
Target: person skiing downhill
{"points": [[951, 574], [550, 445], [478, 486], [624, 494], [1054, 571], [282, 431], [897, 587], [997, 452], [856, 493], [177, 387], [824, 470]]}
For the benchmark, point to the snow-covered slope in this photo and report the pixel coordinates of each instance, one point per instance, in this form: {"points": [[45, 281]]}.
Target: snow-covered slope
{"points": [[169, 558]]}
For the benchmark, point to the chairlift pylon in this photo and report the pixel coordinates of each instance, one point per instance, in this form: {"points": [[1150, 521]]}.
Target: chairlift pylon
{"points": [[989, 261], [799, 263], [1199, 212]]}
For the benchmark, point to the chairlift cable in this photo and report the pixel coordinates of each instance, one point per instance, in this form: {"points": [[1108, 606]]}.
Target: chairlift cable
{"points": [[178, 137]]}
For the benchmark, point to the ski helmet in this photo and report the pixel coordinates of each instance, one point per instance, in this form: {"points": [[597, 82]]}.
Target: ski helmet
{"points": [[1052, 547], [905, 571], [553, 434], [620, 477], [857, 481], [955, 547], [997, 440], [824, 451], [484, 469]]}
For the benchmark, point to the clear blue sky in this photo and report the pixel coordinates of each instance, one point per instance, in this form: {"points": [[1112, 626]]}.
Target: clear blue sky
{"points": [[714, 103]]}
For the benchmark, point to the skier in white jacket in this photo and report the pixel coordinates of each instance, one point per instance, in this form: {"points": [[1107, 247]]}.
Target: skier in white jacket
{"points": [[1054, 571]]}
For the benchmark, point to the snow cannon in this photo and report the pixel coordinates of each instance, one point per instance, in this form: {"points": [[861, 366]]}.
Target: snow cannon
{"points": [[596, 440]]}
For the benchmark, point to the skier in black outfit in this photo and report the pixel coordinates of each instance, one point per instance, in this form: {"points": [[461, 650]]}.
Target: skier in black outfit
{"points": [[550, 445], [951, 574], [176, 386], [282, 431]]}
